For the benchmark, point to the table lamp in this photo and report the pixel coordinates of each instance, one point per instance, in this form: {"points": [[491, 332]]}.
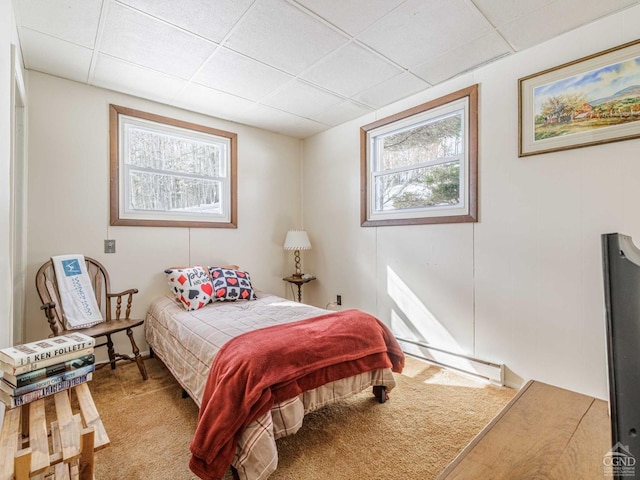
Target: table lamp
{"points": [[297, 240]]}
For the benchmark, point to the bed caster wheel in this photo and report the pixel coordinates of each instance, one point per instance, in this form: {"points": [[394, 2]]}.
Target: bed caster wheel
{"points": [[234, 473], [380, 393]]}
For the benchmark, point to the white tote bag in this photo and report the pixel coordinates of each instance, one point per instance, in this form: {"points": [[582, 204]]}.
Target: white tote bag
{"points": [[77, 297]]}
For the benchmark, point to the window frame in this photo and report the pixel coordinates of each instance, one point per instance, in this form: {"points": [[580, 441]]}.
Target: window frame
{"points": [[117, 215], [416, 117]]}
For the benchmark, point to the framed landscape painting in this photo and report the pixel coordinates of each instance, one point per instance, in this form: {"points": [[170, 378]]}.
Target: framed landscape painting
{"points": [[590, 101]]}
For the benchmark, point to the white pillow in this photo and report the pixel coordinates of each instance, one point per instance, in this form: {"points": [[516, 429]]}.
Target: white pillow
{"points": [[191, 286]]}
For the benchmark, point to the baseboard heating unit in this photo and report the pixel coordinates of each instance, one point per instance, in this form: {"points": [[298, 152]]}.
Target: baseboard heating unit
{"points": [[493, 372]]}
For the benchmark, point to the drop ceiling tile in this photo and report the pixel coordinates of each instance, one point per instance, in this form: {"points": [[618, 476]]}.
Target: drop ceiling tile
{"points": [[267, 118], [500, 12], [302, 99], [461, 59], [75, 21], [53, 56], [279, 34], [341, 113], [419, 30], [350, 69], [352, 16], [126, 77], [140, 39], [211, 102], [300, 128], [556, 18], [391, 90], [212, 20], [239, 75]]}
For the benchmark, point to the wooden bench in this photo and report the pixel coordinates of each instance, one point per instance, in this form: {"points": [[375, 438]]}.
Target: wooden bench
{"points": [[29, 449]]}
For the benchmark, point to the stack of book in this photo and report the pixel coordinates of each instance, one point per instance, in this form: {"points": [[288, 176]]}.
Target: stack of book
{"points": [[39, 369]]}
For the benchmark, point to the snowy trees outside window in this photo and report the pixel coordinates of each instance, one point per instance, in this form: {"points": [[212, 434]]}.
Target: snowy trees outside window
{"points": [[166, 172]]}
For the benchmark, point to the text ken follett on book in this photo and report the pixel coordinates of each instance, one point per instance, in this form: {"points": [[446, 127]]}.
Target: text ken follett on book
{"points": [[59, 351]]}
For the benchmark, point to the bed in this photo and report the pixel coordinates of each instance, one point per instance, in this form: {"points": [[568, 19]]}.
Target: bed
{"points": [[187, 342]]}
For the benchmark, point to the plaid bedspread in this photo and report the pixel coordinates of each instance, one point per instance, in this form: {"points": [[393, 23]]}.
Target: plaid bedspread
{"points": [[187, 343]]}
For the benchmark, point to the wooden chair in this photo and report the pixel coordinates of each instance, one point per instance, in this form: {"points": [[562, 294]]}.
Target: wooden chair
{"points": [[49, 295]]}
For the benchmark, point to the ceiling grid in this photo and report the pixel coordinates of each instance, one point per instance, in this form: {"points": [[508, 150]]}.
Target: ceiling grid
{"points": [[297, 67]]}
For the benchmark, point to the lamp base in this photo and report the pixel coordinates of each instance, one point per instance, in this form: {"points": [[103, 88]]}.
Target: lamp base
{"points": [[296, 255]]}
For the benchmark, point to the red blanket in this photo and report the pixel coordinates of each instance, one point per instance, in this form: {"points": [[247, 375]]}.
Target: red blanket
{"points": [[257, 369]]}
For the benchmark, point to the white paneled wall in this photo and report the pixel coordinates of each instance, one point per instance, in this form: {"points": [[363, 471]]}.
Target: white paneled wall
{"points": [[523, 286], [69, 199]]}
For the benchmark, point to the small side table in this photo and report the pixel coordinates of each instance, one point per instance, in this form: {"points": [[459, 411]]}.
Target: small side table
{"points": [[299, 281], [70, 454]]}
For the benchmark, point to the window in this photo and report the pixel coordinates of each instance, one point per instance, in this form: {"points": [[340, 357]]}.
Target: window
{"points": [[170, 173], [420, 165]]}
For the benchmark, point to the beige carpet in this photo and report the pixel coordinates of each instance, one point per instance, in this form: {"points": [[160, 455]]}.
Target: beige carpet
{"points": [[431, 415]]}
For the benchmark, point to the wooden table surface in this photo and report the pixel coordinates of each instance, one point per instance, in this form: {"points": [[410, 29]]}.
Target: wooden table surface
{"points": [[545, 432]]}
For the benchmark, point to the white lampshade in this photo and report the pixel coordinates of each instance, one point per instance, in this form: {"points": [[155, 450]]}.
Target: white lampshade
{"points": [[297, 240]]}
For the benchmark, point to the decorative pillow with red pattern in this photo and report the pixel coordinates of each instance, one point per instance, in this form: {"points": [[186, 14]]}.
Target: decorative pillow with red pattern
{"points": [[231, 285], [191, 286]]}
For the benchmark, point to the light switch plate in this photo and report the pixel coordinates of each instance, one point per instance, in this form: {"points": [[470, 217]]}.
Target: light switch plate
{"points": [[109, 246]]}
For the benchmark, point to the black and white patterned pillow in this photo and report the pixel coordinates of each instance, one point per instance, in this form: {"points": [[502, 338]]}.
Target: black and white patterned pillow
{"points": [[231, 285]]}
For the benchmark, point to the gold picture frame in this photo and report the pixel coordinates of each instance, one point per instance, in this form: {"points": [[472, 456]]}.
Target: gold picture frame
{"points": [[589, 101]]}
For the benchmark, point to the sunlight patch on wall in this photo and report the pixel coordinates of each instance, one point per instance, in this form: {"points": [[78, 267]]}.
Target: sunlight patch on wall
{"points": [[421, 334], [414, 320]]}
